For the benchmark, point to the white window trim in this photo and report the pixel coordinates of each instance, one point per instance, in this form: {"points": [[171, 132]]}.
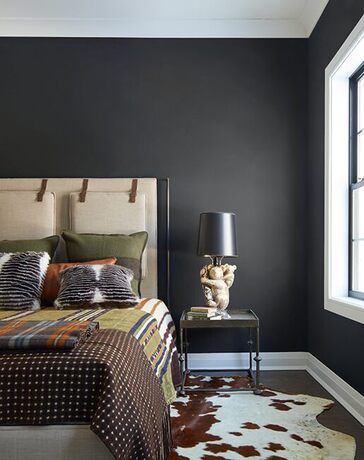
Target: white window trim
{"points": [[349, 57]]}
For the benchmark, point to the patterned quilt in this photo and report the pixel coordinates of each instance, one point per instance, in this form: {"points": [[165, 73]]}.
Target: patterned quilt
{"points": [[100, 381], [150, 323]]}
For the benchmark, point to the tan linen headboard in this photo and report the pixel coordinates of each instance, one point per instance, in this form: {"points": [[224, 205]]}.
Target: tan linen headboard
{"points": [[109, 206]]}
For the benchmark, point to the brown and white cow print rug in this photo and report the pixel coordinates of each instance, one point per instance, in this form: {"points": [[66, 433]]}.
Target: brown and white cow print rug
{"points": [[273, 425]]}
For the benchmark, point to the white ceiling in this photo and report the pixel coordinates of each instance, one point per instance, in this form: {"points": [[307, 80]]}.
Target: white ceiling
{"points": [[160, 18]]}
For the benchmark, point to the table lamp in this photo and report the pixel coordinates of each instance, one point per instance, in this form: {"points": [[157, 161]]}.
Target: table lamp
{"points": [[217, 239]]}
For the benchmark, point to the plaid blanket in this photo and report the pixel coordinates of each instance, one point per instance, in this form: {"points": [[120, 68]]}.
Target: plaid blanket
{"points": [[44, 335], [106, 382]]}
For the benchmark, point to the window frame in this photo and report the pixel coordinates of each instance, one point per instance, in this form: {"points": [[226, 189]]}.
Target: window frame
{"points": [[336, 296], [353, 167]]}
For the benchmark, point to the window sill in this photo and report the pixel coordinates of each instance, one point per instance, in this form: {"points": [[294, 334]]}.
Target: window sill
{"points": [[348, 307]]}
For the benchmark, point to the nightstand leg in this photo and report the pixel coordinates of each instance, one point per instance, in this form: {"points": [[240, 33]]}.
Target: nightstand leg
{"points": [[187, 371], [257, 360], [250, 344], [181, 362]]}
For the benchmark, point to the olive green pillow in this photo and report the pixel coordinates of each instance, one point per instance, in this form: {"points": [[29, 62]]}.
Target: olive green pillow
{"points": [[49, 245], [128, 249]]}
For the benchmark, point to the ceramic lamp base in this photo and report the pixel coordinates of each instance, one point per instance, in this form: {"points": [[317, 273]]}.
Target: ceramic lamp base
{"points": [[216, 281]]}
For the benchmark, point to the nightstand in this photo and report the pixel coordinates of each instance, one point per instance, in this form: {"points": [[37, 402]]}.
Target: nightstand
{"points": [[238, 319]]}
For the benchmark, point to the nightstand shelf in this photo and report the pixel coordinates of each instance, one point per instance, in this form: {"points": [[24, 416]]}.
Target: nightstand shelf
{"points": [[238, 319]]}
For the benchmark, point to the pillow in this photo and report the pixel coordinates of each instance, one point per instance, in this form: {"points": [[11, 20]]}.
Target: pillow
{"points": [[128, 249], [49, 244], [51, 282], [95, 286], [21, 279]]}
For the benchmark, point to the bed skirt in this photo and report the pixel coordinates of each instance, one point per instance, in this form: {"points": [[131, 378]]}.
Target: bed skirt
{"points": [[56, 442]]}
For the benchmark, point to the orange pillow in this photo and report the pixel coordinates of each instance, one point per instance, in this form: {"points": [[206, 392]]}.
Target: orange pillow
{"points": [[51, 282]]}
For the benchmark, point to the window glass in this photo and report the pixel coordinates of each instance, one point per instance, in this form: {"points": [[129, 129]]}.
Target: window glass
{"points": [[357, 184], [361, 104], [358, 266], [360, 156], [358, 213]]}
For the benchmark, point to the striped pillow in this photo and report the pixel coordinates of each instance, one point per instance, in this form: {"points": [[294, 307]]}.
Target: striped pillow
{"points": [[21, 279], [96, 286]]}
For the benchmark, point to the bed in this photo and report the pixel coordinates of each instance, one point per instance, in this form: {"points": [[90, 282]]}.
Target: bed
{"points": [[135, 346]]}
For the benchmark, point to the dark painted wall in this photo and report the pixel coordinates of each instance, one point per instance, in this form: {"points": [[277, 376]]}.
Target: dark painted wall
{"points": [[336, 341], [224, 119]]}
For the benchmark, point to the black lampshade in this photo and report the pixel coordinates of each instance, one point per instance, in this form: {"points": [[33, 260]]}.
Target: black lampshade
{"points": [[217, 234]]}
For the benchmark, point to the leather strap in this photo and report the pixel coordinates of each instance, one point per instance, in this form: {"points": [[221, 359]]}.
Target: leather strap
{"points": [[42, 190], [82, 196], [133, 191]]}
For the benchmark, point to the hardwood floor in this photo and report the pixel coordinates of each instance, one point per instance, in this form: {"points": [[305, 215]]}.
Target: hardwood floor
{"points": [[337, 418]]}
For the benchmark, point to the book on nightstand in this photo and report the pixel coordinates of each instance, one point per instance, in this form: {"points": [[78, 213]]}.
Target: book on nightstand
{"points": [[203, 313], [203, 309]]}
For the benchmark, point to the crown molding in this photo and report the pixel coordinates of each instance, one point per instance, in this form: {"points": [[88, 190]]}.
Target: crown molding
{"points": [[120, 18], [138, 28], [311, 13]]}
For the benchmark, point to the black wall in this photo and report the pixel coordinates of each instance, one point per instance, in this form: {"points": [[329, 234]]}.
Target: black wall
{"points": [[224, 119], [336, 341]]}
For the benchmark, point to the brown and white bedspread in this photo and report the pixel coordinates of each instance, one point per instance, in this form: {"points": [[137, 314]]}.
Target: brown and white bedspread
{"points": [[120, 381], [107, 381]]}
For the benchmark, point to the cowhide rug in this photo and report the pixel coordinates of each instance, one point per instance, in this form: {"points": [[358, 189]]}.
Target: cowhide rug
{"points": [[273, 425]]}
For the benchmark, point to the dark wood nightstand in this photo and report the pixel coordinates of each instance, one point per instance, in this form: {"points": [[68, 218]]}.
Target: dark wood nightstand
{"points": [[238, 319]]}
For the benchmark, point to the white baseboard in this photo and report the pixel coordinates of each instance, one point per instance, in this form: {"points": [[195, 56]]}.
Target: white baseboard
{"points": [[351, 399], [270, 361]]}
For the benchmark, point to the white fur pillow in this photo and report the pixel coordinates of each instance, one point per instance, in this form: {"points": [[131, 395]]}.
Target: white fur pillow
{"points": [[21, 279]]}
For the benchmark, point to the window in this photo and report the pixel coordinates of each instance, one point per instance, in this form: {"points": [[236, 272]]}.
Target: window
{"points": [[344, 184], [356, 203]]}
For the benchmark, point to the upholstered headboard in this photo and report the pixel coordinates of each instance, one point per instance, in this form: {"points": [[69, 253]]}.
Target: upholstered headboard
{"points": [[36, 208]]}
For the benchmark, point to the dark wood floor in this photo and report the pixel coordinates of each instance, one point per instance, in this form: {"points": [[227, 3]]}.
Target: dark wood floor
{"points": [[337, 418]]}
